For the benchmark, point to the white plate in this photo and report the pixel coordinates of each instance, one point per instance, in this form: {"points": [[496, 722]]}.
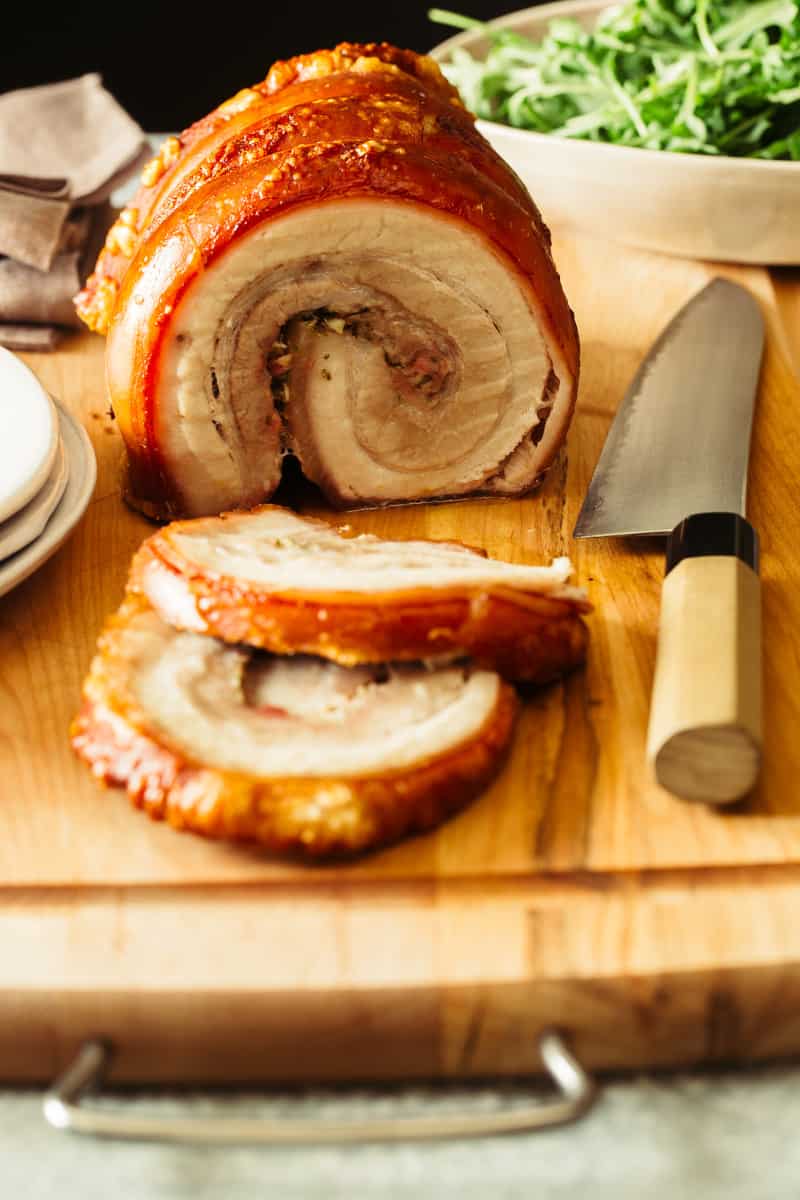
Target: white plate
{"points": [[26, 525], [691, 205], [78, 493], [28, 434]]}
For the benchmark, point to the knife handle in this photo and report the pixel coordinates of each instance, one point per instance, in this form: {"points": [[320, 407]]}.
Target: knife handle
{"points": [[704, 741]]}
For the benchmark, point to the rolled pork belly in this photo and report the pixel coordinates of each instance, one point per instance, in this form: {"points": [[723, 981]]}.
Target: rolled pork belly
{"points": [[295, 754], [334, 264]]}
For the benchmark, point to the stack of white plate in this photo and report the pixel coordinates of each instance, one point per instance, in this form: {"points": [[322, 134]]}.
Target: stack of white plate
{"points": [[47, 472]]}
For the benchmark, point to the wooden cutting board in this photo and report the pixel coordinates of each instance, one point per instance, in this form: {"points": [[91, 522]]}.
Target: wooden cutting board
{"points": [[574, 891]]}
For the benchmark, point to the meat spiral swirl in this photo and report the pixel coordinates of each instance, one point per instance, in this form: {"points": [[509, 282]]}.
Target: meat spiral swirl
{"points": [[333, 264]]}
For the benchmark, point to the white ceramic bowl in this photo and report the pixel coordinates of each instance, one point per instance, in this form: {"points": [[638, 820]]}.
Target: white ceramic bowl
{"points": [[695, 206]]}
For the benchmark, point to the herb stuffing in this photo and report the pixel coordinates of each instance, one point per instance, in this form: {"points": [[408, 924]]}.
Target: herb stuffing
{"points": [[692, 76]]}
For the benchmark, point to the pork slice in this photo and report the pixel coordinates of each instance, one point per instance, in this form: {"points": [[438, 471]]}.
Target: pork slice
{"points": [[292, 585], [292, 753], [275, 548]]}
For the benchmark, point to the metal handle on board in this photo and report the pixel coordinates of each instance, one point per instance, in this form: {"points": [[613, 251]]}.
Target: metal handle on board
{"points": [[63, 1109]]}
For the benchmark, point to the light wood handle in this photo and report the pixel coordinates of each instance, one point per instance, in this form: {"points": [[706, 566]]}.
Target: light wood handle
{"points": [[704, 740]]}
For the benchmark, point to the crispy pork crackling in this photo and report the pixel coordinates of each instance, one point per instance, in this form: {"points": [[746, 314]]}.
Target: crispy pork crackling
{"points": [[335, 264]]}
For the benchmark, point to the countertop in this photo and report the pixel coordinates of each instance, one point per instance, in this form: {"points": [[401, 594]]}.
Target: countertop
{"points": [[720, 1136]]}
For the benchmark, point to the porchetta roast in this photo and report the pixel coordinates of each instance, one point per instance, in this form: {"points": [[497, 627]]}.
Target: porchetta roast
{"points": [[333, 264]]}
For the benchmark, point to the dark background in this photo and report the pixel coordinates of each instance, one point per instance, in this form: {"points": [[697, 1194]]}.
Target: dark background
{"points": [[170, 63]]}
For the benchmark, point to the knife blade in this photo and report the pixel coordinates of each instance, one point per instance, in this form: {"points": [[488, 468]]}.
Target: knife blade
{"points": [[675, 462], [680, 440]]}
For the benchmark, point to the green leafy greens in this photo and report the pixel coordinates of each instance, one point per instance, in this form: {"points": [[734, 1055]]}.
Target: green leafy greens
{"points": [[693, 76]]}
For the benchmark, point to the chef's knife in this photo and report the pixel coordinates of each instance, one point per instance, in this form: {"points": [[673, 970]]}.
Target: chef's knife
{"points": [[675, 463]]}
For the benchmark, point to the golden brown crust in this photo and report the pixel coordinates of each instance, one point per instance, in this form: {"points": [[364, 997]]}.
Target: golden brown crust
{"points": [[364, 57], [525, 636], [358, 65], [313, 817], [304, 136]]}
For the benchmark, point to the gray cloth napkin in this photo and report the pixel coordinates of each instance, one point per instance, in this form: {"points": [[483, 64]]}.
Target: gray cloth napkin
{"points": [[64, 147], [36, 306]]}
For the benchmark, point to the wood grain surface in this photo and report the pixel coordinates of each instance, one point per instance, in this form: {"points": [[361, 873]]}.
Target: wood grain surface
{"points": [[576, 794], [575, 890], [368, 981]]}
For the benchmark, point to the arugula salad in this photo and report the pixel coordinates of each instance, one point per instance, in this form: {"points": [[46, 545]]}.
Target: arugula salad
{"points": [[692, 76]]}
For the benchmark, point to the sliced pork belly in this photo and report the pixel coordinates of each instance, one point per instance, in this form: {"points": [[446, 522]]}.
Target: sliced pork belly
{"points": [[336, 265], [293, 753], [292, 585]]}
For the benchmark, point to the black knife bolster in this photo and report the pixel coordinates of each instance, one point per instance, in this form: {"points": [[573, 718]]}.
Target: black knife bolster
{"points": [[706, 534]]}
